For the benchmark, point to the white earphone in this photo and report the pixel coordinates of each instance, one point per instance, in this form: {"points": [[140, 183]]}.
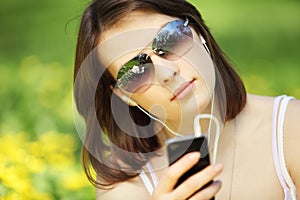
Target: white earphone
{"points": [[197, 127], [128, 101], [204, 44]]}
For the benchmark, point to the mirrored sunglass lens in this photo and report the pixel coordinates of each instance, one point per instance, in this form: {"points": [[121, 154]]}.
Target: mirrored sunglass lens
{"points": [[136, 75], [174, 39]]}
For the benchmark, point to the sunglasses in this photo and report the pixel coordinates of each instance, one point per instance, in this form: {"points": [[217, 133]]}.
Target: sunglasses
{"points": [[172, 41]]}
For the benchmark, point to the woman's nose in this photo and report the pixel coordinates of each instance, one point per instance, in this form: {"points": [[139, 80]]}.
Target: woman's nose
{"points": [[166, 70]]}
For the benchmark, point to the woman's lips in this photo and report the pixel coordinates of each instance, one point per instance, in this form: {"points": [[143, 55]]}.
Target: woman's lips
{"points": [[183, 90]]}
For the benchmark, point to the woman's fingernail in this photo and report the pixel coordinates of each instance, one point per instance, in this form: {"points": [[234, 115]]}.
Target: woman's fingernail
{"points": [[218, 167], [218, 183], [194, 156]]}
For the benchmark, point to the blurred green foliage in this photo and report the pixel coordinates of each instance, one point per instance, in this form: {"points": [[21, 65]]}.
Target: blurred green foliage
{"points": [[39, 146], [261, 38]]}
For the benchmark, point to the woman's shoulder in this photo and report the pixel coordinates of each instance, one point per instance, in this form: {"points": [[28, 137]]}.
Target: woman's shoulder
{"points": [[256, 107], [292, 122], [291, 130], [258, 112], [131, 189], [262, 104], [257, 104], [260, 100]]}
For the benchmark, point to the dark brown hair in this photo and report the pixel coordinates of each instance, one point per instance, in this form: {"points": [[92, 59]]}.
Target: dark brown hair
{"points": [[101, 149]]}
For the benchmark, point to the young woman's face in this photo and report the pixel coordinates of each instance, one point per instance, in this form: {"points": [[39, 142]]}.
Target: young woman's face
{"points": [[180, 87]]}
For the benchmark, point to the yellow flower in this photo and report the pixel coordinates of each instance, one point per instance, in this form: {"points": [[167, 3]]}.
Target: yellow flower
{"points": [[75, 180], [29, 168]]}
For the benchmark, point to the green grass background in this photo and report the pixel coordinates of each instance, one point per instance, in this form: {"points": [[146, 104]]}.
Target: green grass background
{"points": [[37, 45], [262, 39]]}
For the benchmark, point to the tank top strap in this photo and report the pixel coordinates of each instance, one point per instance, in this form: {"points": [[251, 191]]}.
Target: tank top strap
{"points": [[147, 181], [279, 110]]}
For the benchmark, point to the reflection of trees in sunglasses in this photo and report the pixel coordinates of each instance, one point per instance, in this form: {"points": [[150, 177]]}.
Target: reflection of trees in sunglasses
{"points": [[135, 73], [127, 67]]}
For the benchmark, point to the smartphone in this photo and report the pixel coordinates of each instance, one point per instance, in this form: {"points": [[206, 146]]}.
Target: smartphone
{"points": [[178, 147]]}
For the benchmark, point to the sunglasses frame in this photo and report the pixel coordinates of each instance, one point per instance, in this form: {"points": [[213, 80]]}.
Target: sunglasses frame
{"points": [[128, 72]]}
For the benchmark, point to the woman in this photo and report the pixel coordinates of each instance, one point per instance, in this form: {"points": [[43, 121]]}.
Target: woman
{"points": [[143, 70]]}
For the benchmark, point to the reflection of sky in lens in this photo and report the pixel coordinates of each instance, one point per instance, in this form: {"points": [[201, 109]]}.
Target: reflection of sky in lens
{"points": [[173, 26], [176, 26], [171, 35], [170, 29]]}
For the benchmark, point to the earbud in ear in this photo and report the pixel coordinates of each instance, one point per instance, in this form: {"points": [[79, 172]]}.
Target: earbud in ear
{"points": [[128, 101], [204, 44]]}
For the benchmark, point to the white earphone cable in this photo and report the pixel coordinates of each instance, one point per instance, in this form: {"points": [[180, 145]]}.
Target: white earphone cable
{"points": [[197, 128], [161, 122], [198, 134], [211, 112]]}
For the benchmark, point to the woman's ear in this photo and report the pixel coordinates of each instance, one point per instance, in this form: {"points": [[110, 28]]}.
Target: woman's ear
{"points": [[123, 97]]}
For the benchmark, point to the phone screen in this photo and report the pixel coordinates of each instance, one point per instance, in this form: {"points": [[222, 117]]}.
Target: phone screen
{"points": [[178, 147]]}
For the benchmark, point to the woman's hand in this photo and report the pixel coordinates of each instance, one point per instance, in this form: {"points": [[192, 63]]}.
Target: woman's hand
{"points": [[187, 189]]}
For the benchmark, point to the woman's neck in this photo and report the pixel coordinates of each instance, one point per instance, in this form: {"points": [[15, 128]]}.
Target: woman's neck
{"points": [[185, 125]]}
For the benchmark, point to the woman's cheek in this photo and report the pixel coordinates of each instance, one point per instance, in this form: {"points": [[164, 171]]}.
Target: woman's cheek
{"points": [[157, 101]]}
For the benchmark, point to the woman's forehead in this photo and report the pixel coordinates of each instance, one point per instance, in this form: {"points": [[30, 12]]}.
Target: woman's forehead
{"points": [[129, 36], [138, 19], [116, 50]]}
